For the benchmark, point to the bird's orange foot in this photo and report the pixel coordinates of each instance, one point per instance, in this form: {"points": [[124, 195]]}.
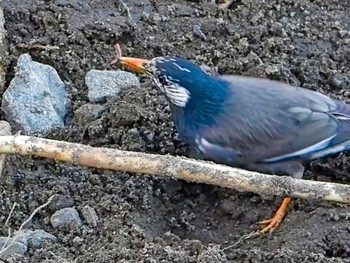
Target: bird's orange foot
{"points": [[274, 222]]}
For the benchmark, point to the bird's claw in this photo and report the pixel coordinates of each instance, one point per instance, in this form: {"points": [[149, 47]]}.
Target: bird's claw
{"points": [[273, 223], [270, 224]]}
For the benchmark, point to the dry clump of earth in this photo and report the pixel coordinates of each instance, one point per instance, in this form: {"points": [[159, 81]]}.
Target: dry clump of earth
{"points": [[145, 219]]}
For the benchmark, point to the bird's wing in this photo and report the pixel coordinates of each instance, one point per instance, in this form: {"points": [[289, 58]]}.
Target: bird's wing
{"points": [[267, 121]]}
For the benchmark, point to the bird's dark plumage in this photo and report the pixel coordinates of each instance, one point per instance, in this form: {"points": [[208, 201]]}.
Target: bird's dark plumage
{"points": [[253, 123]]}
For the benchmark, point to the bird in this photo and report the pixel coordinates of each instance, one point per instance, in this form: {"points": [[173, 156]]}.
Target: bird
{"points": [[249, 122]]}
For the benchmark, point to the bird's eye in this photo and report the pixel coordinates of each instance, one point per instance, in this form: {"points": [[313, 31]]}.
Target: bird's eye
{"points": [[162, 80]]}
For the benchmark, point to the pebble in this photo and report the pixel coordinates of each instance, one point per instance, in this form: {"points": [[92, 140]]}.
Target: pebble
{"points": [[36, 100], [103, 84], [344, 33], [271, 70], [88, 113], [90, 215], [61, 201], [338, 81], [66, 217], [77, 241], [257, 17], [34, 238], [16, 248], [227, 206], [198, 32]]}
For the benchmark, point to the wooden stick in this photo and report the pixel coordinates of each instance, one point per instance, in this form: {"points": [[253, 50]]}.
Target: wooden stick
{"points": [[5, 129], [174, 167]]}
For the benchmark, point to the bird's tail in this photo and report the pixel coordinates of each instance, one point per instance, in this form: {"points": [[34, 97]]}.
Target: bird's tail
{"points": [[343, 118], [341, 142]]}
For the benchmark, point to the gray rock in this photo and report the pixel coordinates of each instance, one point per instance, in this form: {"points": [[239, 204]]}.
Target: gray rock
{"points": [[34, 238], [66, 217], [88, 113], [344, 33], [272, 69], [15, 248], [90, 215], [61, 201], [77, 241], [36, 100], [108, 83], [198, 32], [338, 81]]}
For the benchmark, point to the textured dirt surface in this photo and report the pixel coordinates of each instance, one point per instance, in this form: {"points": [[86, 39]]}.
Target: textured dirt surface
{"points": [[144, 219]]}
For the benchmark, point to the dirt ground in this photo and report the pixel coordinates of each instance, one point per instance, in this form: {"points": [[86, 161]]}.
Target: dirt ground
{"points": [[145, 219]]}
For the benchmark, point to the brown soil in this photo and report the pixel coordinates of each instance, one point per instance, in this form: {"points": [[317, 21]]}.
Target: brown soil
{"points": [[145, 219]]}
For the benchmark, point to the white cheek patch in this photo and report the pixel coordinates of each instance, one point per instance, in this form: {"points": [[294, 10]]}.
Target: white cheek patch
{"points": [[176, 94]]}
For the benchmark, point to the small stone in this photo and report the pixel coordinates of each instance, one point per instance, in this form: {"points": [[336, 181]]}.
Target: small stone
{"points": [[277, 28], [34, 238], [227, 206], [198, 32], [157, 18], [77, 241], [108, 83], [61, 201], [149, 135], [344, 33], [36, 100], [90, 215], [236, 37], [271, 70], [16, 248], [257, 17], [88, 113], [66, 217], [338, 81], [334, 217]]}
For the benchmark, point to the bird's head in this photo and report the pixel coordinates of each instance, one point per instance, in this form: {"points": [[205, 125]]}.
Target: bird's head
{"points": [[179, 79]]}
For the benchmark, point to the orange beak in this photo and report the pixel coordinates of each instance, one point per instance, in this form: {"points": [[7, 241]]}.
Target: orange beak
{"points": [[136, 64]]}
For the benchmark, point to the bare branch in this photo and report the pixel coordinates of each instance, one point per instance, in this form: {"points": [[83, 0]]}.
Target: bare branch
{"points": [[174, 167], [10, 214], [10, 241], [5, 129], [127, 10]]}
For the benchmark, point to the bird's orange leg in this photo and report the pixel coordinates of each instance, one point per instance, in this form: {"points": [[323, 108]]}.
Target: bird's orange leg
{"points": [[272, 223]]}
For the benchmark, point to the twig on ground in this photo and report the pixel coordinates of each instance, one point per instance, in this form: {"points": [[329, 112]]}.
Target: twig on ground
{"points": [[175, 167], [10, 214], [10, 241], [9, 229], [5, 129], [43, 47], [242, 238], [127, 10], [36, 210]]}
